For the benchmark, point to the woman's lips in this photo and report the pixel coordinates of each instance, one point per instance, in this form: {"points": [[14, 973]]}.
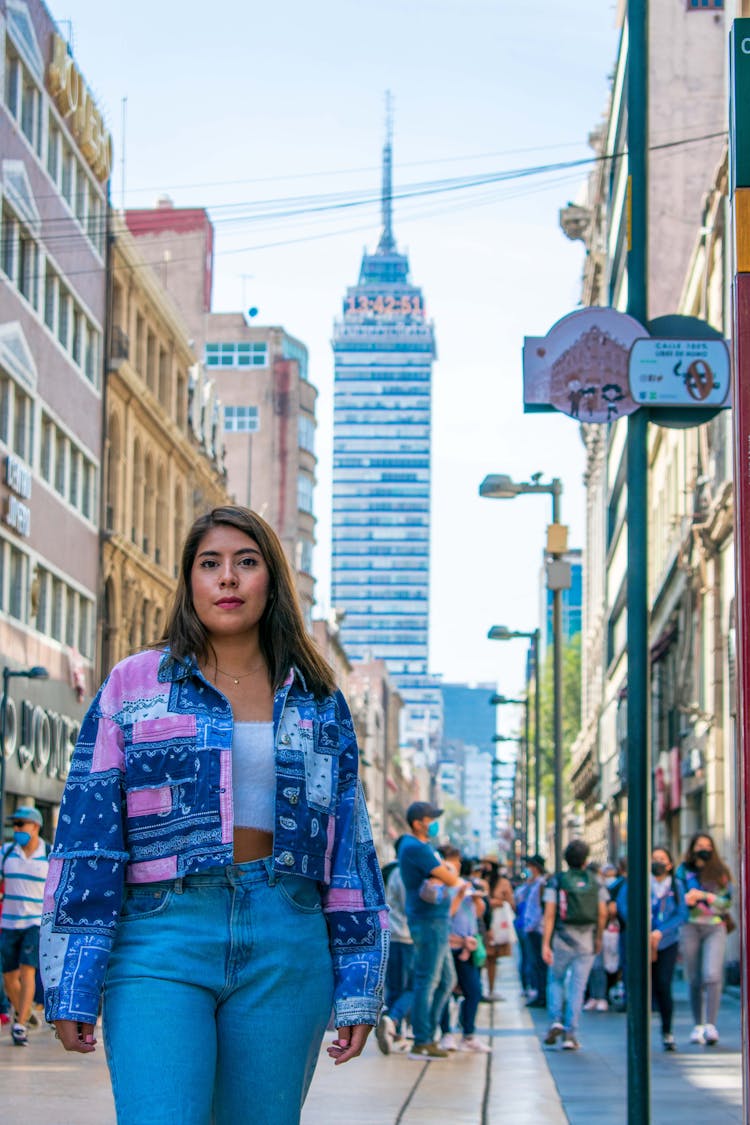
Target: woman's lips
{"points": [[229, 603]]}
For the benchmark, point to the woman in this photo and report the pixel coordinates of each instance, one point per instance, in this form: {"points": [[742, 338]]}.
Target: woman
{"points": [[467, 904], [501, 893], [217, 780], [668, 913], [708, 894]]}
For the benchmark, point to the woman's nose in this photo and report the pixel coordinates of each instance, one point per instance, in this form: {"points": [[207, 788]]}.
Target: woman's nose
{"points": [[227, 576]]}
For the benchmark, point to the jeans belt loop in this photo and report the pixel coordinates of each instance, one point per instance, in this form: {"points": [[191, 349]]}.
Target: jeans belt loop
{"points": [[268, 863], [178, 885]]}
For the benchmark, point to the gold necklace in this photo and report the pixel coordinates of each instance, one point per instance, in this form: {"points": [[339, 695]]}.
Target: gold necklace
{"points": [[231, 675]]}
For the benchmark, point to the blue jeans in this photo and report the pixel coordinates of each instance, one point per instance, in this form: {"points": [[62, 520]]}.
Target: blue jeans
{"points": [[470, 983], [566, 983], [434, 975], [399, 987], [216, 998]]}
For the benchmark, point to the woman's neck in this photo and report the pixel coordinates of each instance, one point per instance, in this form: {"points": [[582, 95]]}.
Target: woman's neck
{"points": [[237, 655]]}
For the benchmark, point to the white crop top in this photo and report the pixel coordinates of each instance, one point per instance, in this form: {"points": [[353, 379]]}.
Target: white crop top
{"points": [[253, 776]]}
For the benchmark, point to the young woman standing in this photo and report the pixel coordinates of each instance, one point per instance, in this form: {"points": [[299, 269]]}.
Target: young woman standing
{"points": [[708, 894], [213, 872], [668, 914]]}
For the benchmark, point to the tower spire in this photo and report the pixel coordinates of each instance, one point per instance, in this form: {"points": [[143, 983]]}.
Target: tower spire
{"points": [[387, 242]]}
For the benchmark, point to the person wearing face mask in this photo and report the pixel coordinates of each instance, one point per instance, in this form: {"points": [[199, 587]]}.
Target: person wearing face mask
{"points": [[708, 895], [23, 870], [425, 876], [668, 914]]}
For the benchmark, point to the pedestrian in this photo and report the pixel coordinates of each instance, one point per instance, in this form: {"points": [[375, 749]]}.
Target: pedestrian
{"points": [[524, 960], [215, 776], [575, 913], [399, 978], [533, 924], [23, 870], [466, 905], [426, 879], [603, 976], [501, 933], [669, 912], [708, 894]]}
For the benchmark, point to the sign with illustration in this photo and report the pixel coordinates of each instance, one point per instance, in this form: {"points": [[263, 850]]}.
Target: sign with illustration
{"points": [[679, 372], [581, 366]]}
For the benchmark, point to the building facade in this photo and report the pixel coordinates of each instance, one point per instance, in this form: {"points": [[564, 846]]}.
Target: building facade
{"points": [[267, 422], [690, 567], [163, 461], [55, 158], [383, 351]]}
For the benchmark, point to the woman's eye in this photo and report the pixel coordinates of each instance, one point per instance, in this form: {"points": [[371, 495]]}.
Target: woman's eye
{"points": [[249, 561]]}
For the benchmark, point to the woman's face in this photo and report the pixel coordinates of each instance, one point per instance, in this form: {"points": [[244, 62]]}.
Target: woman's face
{"points": [[658, 855], [229, 582], [702, 844]]}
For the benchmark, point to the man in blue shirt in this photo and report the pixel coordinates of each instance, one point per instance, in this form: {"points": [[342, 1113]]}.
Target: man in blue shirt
{"points": [[425, 878]]}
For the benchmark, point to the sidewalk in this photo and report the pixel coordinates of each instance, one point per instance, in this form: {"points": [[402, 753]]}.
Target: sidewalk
{"points": [[693, 1084]]}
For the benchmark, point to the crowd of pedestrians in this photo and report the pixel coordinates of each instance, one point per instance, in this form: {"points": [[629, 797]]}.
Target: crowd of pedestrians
{"points": [[453, 918]]}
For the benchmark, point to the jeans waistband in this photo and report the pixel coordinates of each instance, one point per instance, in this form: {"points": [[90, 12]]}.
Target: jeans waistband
{"points": [[229, 875]]}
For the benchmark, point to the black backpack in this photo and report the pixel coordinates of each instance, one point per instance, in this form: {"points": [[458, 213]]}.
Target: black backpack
{"points": [[578, 898]]}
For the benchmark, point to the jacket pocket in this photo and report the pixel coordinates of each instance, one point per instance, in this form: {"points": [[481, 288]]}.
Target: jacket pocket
{"points": [[161, 752]]}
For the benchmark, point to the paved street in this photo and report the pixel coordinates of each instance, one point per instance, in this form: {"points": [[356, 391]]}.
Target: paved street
{"points": [[517, 1084]]}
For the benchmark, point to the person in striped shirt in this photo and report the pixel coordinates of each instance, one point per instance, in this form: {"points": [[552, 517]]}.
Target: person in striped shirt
{"points": [[23, 867]]}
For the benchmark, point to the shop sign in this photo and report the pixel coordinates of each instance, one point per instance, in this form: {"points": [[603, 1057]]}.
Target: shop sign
{"points": [[75, 102], [18, 478], [679, 372], [41, 740]]}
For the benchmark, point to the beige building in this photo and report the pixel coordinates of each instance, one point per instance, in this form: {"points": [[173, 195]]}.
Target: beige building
{"points": [[163, 460], [267, 423], [689, 518]]}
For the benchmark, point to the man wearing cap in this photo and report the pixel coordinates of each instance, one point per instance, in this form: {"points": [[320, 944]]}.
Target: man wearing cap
{"points": [[23, 871], [428, 915], [533, 925]]}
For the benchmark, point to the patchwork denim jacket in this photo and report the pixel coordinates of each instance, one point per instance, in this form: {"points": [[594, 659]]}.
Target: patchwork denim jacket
{"points": [[149, 797]]}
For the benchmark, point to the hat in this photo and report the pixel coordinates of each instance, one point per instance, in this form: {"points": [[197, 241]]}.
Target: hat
{"points": [[418, 810], [26, 812], [535, 860]]}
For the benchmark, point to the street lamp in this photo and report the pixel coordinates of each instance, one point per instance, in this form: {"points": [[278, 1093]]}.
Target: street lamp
{"points": [[503, 633], [35, 673], [499, 486]]}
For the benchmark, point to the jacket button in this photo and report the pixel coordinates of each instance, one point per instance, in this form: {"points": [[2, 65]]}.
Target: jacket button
{"points": [[294, 799], [287, 859]]}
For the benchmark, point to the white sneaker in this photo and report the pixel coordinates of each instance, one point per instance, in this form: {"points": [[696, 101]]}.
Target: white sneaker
{"points": [[710, 1035], [385, 1033], [448, 1043], [591, 1005], [696, 1035], [602, 1006], [471, 1043]]}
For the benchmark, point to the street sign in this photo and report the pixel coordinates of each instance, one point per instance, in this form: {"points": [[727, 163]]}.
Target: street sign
{"points": [[679, 372]]}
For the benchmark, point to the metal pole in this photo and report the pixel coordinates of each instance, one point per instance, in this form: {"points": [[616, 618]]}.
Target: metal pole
{"points": [[537, 747], [557, 691], [638, 753], [526, 775]]}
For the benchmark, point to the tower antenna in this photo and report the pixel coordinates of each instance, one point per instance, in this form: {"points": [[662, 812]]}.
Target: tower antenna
{"points": [[387, 243]]}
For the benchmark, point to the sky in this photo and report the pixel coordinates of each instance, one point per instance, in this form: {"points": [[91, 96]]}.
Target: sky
{"points": [[239, 104]]}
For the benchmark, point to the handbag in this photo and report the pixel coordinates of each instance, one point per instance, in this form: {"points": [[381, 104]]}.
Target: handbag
{"points": [[502, 929], [730, 923], [479, 955]]}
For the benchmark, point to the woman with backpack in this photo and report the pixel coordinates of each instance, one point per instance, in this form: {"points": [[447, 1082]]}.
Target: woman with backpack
{"points": [[708, 895], [669, 912]]}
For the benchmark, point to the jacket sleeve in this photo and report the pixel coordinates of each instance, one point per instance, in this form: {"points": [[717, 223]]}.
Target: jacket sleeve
{"points": [[83, 892], [354, 900]]}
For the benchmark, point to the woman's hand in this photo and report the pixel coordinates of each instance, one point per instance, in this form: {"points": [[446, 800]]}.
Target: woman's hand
{"points": [[350, 1042], [74, 1036], [693, 896]]}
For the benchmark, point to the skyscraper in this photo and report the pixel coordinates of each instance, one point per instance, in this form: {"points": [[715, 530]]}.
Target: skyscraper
{"points": [[383, 349]]}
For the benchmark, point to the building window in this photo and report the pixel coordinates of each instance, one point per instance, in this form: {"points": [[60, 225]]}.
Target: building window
{"points": [[23, 424], [706, 5], [306, 432], [23, 98], [241, 419], [236, 355], [304, 493], [17, 592]]}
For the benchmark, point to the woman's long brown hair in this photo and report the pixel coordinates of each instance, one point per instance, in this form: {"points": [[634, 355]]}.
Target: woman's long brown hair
{"points": [[284, 640]]}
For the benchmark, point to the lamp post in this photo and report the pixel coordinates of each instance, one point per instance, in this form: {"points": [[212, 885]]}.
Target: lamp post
{"points": [[499, 486], [35, 673], [504, 701], [502, 633], [517, 820]]}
